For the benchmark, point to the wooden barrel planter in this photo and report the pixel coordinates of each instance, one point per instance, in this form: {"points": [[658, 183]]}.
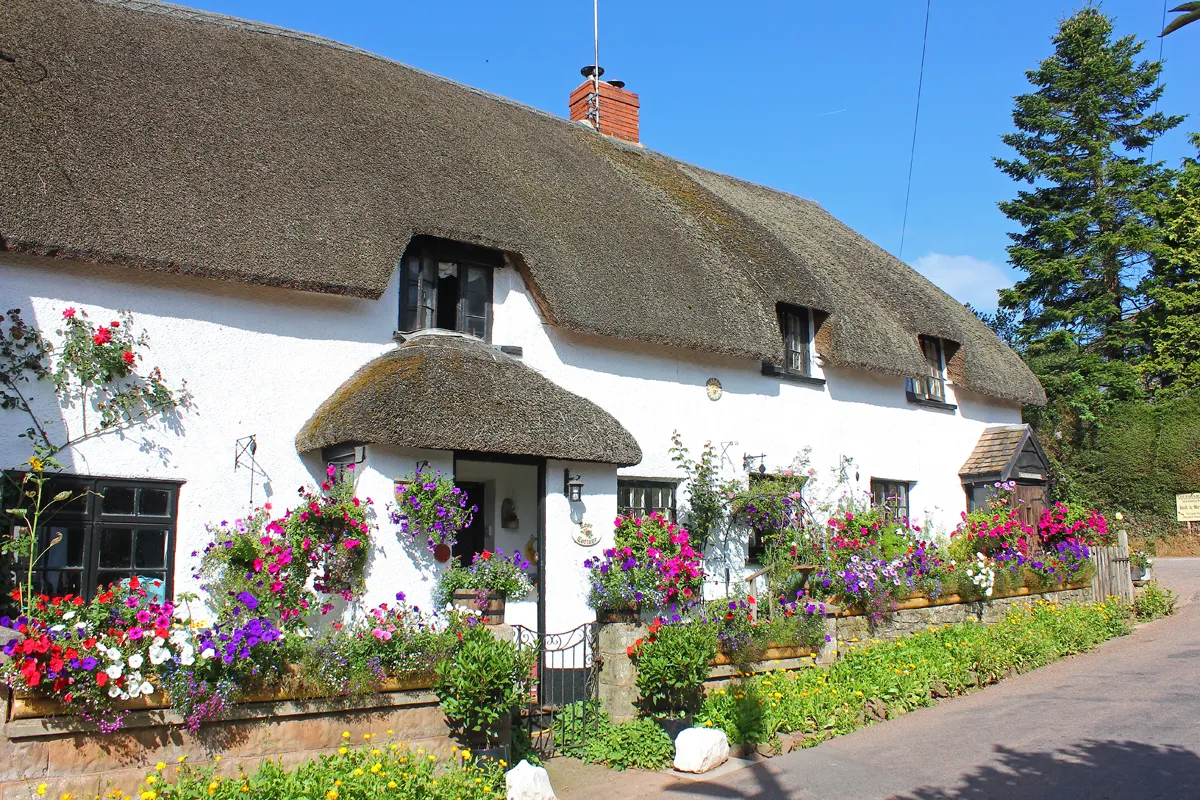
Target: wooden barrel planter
{"points": [[773, 653], [491, 605], [607, 616]]}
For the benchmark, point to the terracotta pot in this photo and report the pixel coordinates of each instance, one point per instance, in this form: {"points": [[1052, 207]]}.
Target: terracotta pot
{"points": [[492, 605]]}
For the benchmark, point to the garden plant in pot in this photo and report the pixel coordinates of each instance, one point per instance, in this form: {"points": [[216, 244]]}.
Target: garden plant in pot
{"points": [[481, 686], [486, 585], [1139, 566], [672, 663]]}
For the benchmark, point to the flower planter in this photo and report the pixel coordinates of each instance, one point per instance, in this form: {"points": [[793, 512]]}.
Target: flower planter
{"points": [[31, 706], [954, 599], [770, 654], [492, 606]]}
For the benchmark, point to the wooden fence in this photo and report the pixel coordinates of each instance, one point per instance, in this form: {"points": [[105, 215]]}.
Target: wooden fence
{"points": [[1112, 571]]}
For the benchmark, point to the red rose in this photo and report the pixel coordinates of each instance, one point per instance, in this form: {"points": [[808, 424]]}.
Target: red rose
{"points": [[127, 357], [68, 313], [114, 324], [103, 335]]}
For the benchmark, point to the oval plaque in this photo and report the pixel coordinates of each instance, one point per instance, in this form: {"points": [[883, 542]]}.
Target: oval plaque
{"points": [[584, 536]]}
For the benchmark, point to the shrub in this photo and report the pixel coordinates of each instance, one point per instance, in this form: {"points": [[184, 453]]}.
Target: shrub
{"points": [[483, 683], [368, 772], [1153, 602], [584, 730], [672, 665]]}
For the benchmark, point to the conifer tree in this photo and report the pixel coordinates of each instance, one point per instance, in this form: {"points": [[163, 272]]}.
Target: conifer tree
{"points": [[1087, 219], [1172, 365]]}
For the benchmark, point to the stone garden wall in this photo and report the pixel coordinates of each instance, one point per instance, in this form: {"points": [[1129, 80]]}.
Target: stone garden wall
{"points": [[618, 692], [61, 752]]}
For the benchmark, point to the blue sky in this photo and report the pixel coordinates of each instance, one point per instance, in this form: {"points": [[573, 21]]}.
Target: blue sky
{"points": [[812, 98]]}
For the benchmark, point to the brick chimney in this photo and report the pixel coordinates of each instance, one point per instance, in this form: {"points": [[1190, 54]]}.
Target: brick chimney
{"points": [[618, 108]]}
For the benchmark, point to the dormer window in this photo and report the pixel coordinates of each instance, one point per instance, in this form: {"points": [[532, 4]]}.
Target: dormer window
{"points": [[796, 327], [930, 388], [448, 285]]}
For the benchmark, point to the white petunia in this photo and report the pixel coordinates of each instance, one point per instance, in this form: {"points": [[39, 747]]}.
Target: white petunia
{"points": [[114, 691], [159, 654], [114, 671], [158, 641], [207, 652], [67, 617], [147, 687], [135, 660], [178, 636], [58, 628]]}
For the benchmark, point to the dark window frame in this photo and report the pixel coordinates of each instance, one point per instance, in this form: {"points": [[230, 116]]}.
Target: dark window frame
{"points": [[797, 326], [930, 389], [86, 518], [879, 496], [624, 506], [420, 276]]}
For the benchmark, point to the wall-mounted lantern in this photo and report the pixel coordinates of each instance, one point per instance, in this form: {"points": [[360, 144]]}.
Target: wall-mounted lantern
{"points": [[508, 515], [572, 487]]}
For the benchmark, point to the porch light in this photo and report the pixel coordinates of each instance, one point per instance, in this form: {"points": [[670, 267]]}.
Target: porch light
{"points": [[572, 487]]}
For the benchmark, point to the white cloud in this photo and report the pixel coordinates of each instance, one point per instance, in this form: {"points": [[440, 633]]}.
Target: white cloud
{"points": [[966, 278]]}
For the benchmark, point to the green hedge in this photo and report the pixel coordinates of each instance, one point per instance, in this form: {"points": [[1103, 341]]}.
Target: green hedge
{"points": [[883, 679]]}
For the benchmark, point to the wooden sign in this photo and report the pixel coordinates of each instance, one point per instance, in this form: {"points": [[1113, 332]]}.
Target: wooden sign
{"points": [[1187, 507]]}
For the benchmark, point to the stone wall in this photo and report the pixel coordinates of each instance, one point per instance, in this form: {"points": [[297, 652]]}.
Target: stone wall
{"points": [[66, 756], [912, 620], [618, 675]]}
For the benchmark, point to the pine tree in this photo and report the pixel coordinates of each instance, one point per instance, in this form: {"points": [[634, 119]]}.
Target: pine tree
{"points": [[1088, 227], [1173, 323]]}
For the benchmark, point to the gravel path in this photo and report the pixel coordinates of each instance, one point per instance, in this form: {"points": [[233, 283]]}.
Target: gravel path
{"points": [[1120, 722]]}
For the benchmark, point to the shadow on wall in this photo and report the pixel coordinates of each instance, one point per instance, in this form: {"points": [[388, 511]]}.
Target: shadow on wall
{"points": [[1088, 769]]}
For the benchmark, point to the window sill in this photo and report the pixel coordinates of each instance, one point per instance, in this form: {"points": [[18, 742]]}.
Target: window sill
{"points": [[772, 371], [917, 400]]}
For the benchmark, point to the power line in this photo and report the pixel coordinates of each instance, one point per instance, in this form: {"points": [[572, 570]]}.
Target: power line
{"points": [[1161, 40], [912, 153]]}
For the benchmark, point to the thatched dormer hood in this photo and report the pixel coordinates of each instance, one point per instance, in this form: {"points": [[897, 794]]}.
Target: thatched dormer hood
{"points": [[163, 138]]}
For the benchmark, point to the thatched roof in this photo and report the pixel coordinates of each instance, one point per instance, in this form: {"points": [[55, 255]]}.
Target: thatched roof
{"points": [[448, 391], [164, 138]]}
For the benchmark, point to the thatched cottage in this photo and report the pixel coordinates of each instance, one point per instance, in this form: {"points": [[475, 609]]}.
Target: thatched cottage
{"points": [[350, 259]]}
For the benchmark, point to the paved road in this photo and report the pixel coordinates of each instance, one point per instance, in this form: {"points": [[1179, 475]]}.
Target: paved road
{"points": [[1120, 722]]}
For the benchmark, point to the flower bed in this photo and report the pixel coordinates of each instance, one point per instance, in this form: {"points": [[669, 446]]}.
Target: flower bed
{"points": [[882, 679]]}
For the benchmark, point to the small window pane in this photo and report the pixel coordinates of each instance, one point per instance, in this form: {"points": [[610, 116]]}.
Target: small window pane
{"points": [[118, 500], [77, 504], [116, 548], [62, 582], [68, 552], [151, 549], [154, 503]]}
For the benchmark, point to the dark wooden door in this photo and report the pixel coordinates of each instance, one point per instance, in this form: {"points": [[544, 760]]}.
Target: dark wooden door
{"points": [[1031, 499], [471, 538]]}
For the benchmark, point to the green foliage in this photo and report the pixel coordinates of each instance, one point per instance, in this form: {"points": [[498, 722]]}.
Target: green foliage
{"points": [[1088, 220], [885, 678], [483, 682], [707, 494], [585, 731], [1172, 324], [1153, 601], [362, 773], [672, 665]]}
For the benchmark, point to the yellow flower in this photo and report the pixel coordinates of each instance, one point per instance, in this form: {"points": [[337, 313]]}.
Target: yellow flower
{"points": [[391, 784], [245, 787], [390, 731], [150, 779], [367, 737], [343, 750], [65, 796], [376, 752], [36, 465], [433, 758], [357, 773], [181, 759], [218, 758], [345, 734], [212, 787], [148, 795], [41, 788], [160, 766], [338, 782], [332, 794], [376, 767]]}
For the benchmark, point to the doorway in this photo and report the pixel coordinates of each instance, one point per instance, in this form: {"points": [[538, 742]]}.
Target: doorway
{"points": [[471, 539]]}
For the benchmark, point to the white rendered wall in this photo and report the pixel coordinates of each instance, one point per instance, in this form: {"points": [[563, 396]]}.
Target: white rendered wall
{"points": [[259, 360]]}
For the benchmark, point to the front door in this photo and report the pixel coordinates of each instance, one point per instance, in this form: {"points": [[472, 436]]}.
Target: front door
{"points": [[1031, 500], [470, 538]]}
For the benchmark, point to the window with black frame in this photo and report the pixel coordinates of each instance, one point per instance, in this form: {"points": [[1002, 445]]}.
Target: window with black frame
{"points": [[640, 498], [891, 496], [447, 285], [795, 323], [110, 531], [932, 385]]}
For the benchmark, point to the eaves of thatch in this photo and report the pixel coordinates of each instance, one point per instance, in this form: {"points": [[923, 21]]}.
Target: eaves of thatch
{"points": [[448, 391], [164, 138]]}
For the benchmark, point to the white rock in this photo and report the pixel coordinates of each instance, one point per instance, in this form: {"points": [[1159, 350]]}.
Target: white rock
{"points": [[527, 782], [700, 749]]}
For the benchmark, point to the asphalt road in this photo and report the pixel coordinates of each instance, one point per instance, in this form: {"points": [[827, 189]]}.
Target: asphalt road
{"points": [[1120, 722]]}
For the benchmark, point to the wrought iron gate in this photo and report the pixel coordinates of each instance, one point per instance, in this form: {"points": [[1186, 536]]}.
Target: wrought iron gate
{"points": [[565, 701]]}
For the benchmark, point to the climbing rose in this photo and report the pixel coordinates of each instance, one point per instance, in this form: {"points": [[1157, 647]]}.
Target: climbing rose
{"points": [[127, 356]]}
